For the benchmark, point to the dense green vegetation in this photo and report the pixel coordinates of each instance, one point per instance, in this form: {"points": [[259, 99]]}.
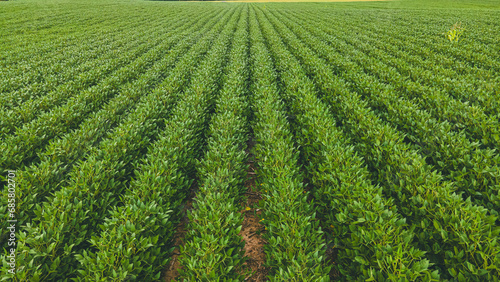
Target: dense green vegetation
{"points": [[375, 139]]}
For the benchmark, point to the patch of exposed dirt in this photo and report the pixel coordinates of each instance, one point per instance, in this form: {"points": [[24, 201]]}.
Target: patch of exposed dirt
{"points": [[250, 232], [251, 228], [171, 272]]}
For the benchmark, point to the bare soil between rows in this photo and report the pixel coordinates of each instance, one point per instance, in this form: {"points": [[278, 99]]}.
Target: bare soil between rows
{"points": [[251, 230], [171, 272]]}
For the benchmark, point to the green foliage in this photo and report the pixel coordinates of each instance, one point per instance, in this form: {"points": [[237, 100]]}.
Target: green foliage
{"points": [[296, 248], [455, 32], [412, 182], [60, 154], [474, 169], [101, 177], [376, 140], [214, 249], [365, 231], [160, 183]]}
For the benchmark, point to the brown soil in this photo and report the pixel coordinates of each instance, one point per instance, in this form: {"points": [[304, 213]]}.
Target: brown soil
{"points": [[171, 272], [250, 232], [251, 228]]}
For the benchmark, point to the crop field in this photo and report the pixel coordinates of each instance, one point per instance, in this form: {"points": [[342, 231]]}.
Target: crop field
{"points": [[190, 141]]}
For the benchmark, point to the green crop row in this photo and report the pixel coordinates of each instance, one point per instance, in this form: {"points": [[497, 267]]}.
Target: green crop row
{"points": [[472, 119], [473, 169], [49, 32], [459, 237], [49, 246], [21, 148], [61, 154], [425, 74], [37, 72], [42, 77], [213, 248], [424, 30], [41, 74], [376, 141], [29, 139], [118, 58], [428, 66], [295, 249], [373, 242], [134, 242]]}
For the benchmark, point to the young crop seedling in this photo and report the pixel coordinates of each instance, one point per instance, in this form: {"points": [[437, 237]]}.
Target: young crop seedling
{"points": [[455, 32]]}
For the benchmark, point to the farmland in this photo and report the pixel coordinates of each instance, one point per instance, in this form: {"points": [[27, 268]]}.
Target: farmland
{"points": [[149, 140]]}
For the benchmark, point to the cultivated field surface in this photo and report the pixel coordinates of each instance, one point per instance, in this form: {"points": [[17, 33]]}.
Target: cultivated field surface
{"points": [[159, 141]]}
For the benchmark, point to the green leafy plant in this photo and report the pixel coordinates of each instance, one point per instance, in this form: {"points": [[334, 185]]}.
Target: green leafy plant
{"points": [[455, 32]]}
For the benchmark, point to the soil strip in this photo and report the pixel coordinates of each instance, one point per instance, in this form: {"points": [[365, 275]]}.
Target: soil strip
{"points": [[171, 272], [251, 228]]}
